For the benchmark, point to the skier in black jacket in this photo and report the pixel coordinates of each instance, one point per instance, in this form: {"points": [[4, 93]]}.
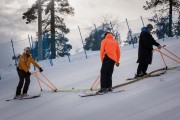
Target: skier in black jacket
{"points": [[145, 51]]}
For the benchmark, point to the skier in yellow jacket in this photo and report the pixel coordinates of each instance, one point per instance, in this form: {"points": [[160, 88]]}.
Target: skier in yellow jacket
{"points": [[25, 61]]}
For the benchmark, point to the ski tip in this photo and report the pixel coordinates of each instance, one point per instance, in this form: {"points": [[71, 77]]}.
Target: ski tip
{"points": [[10, 99], [35, 96], [131, 78]]}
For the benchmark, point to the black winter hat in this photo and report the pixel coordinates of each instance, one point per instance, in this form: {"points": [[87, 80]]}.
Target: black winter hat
{"points": [[149, 26], [104, 35]]}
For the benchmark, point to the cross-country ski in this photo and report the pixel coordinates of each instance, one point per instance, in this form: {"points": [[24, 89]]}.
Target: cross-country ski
{"points": [[23, 98], [96, 93]]}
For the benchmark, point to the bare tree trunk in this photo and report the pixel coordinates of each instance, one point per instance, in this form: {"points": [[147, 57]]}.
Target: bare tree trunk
{"points": [[53, 48], [40, 56], [170, 18]]}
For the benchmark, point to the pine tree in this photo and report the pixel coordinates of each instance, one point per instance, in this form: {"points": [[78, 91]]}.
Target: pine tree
{"points": [[177, 26], [161, 25], [54, 30], [162, 7], [92, 42], [109, 24]]}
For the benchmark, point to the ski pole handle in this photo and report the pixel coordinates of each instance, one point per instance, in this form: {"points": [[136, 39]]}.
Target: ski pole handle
{"points": [[157, 48]]}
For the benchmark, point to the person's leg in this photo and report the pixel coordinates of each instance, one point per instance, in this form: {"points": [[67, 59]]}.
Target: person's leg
{"points": [[110, 72], [104, 72], [139, 69], [21, 82], [26, 85], [103, 75], [145, 67]]}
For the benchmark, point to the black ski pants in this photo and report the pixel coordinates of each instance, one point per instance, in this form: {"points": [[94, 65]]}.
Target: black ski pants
{"points": [[142, 68], [106, 72], [24, 79]]}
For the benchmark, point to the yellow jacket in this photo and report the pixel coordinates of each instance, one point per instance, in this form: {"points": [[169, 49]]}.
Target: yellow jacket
{"points": [[25, 61], [110, 47]]}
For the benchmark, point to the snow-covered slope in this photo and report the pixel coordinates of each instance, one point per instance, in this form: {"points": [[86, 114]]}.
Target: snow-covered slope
{"points": [[155, 98]]}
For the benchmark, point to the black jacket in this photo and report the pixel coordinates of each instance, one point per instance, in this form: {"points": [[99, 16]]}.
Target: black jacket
{"points": [[146, 42]]}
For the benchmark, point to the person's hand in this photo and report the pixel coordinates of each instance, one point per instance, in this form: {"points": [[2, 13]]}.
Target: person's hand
{"points": [[40, 69], [117, 64], [159, 47]]}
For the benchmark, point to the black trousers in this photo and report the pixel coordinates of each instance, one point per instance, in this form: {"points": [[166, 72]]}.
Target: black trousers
{"points": [[24, 79], [106, 73], [142, 68]]}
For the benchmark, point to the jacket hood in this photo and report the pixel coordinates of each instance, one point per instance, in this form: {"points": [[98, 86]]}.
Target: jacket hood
{"points": [[144, 29], [109, 35]]}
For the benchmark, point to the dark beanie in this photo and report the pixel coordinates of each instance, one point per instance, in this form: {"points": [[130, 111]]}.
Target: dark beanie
{"points": [[149, 26], [104, 35]]}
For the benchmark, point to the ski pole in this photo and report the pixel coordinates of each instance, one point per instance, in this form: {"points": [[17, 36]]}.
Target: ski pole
{"points": [[94, 82], [171, 53], [168, 56], [49, 81], [95, 86], [158, 48], [45, 82], [163, 59], [35, 74]]}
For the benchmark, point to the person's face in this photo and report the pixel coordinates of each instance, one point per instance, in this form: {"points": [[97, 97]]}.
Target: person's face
{"points": [[28, 51], [149, 29]]}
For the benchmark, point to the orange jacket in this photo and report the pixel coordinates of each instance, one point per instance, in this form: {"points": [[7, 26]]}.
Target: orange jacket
{"points": [[110, 47], [25, 61]]}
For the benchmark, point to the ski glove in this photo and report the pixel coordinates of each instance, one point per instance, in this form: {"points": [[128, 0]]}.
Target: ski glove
{"points": [[28, 73], [117, 64], [40, 69], [159, 47]]}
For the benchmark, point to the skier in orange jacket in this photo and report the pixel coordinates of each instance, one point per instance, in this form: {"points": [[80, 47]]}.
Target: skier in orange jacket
{"points": [[110, 56]]}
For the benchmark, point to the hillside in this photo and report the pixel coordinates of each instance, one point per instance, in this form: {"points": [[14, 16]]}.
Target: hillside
{"points": [[155, 98]]}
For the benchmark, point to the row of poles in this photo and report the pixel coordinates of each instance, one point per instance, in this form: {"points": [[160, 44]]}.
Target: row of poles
{"points": [[112, 31], [53, 28], [30, 45], [81, 37]]}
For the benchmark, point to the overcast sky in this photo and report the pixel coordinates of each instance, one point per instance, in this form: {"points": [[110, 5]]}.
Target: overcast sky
{"points": [[87, 12]]}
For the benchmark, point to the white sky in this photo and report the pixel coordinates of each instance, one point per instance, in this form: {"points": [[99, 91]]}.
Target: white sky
{"points": [[92, 11], [87, 13]]}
